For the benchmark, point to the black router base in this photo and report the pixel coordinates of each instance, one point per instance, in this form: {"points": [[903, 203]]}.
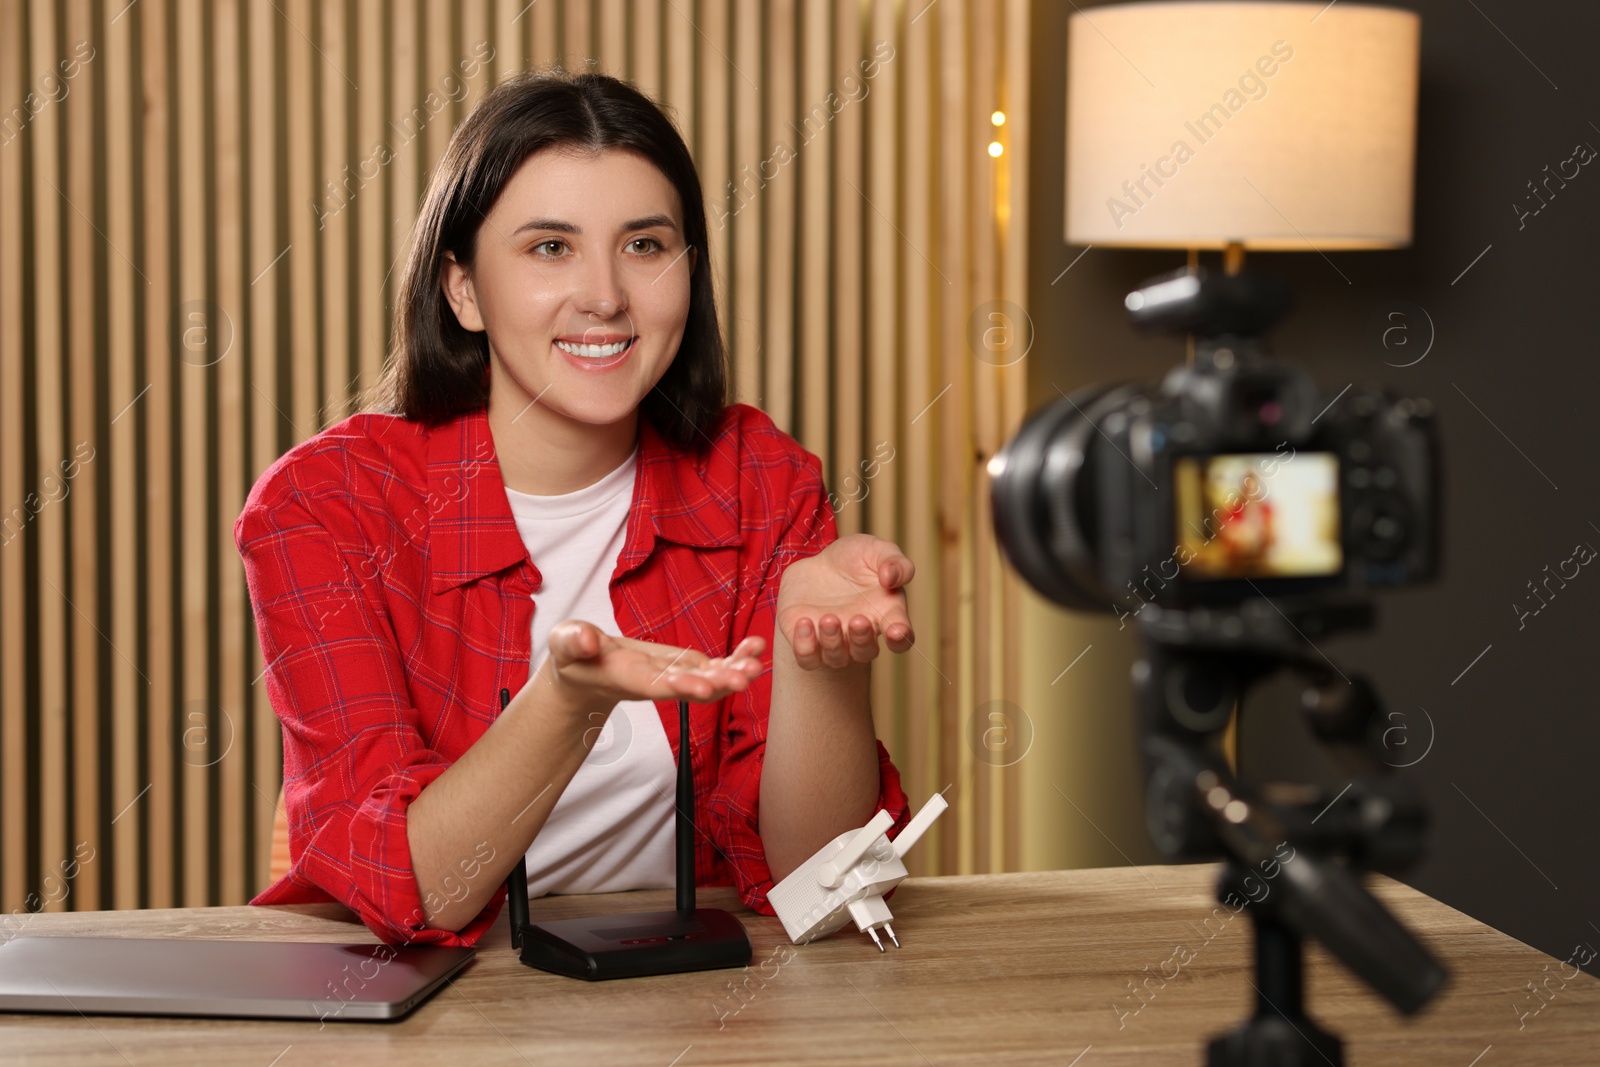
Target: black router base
{"points": [[599, 947]]}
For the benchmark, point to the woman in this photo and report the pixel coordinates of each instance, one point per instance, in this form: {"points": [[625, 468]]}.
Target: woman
{"points": [[553, 497]]}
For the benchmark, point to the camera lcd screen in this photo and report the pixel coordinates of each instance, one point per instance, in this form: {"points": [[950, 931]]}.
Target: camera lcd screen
{"points": [[1257, 515]]}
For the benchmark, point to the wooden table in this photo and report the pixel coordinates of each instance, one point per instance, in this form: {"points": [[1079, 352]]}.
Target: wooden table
{"points": [[1011, 968]]}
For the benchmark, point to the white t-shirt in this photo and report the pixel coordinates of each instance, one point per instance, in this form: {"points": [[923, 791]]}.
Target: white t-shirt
{"points": [[613, 827]]}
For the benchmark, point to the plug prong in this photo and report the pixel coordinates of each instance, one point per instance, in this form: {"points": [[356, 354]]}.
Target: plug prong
{"points": [[890, 931], [874, 935]]}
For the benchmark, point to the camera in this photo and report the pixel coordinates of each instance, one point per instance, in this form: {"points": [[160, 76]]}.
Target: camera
{"points": [[1235, 512], [1233, 480]]}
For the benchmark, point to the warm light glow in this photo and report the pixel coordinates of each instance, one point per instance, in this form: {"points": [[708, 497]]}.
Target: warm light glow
{"points": [[1212, 123], [995, 148], [998, 118]]}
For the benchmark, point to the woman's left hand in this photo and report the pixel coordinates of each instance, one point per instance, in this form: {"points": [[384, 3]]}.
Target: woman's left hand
{"points": [[833, 606]]}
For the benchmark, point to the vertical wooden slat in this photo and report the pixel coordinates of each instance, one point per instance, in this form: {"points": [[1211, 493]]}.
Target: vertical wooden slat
{"points": [[815, 261], [439, 57], [306, 77], [50, 231], [510, 18], [79, 497], [575, 44], [16, 644], [715, 80], [738, 204], [402, 176], [1015, 104], [475, 34], [267, 240], [117, 452], [954, 437], [779, 200], [892, 712], [613, 37], [986, 636], [194, 287], [849, 214], [338, 163], [678, 73], [545, 47], [226, 749], [164, 728], [928, 684], [373, 141], [644, 46]]}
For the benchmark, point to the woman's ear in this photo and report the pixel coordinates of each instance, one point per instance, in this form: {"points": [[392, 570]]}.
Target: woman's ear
{"points": [[457, 285]]}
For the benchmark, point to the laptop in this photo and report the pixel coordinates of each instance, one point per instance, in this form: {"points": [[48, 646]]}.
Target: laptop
{"points": [[236, 979]]}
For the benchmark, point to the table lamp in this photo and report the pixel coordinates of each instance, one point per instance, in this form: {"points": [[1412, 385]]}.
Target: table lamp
{"points": [[1233, 126]]}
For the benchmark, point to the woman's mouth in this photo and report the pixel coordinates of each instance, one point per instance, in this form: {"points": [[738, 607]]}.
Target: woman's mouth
{"points": [[594, 357]]}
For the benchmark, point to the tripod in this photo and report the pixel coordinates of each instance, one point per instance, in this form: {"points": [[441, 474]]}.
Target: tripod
{"points": [[1197, 664]]}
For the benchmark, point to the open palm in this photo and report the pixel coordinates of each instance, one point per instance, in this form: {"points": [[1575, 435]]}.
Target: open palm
{"points": [[834, 606], [598, 666]]}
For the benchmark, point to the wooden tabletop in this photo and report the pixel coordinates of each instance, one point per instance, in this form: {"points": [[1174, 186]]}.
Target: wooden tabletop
{"points": [[1009, 968]]}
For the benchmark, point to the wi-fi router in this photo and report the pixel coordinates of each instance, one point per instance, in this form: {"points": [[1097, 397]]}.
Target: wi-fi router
{"points": [[687, 938]]}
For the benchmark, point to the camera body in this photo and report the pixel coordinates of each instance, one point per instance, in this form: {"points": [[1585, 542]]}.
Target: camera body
{"points": [[1233, 480]]}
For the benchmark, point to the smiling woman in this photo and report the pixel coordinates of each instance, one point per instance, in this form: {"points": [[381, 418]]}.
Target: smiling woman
{"points": [[550, 495], [560, 303], [601, 148]]}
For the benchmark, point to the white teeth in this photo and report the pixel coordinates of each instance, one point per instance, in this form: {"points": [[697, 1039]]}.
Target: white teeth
{"points": [[594, 351]]}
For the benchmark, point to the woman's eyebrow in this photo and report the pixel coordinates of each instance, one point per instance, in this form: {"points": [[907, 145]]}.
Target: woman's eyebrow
{"points": [[560, 226]]}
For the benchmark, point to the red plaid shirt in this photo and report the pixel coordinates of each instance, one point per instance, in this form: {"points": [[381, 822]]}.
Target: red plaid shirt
{"points": [[394, 599]]}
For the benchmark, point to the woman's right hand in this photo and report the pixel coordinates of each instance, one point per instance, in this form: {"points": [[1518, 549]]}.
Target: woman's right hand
{"points": [[593, 667], [545, 737]]}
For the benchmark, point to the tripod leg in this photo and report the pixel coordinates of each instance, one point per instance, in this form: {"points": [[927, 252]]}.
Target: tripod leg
{"points": [[1280, 1034]]}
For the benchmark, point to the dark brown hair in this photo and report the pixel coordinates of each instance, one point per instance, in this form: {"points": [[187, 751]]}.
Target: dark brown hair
{"points": [[437, 369]]}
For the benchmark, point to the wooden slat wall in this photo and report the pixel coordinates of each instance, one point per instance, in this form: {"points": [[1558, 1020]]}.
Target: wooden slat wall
{"points": [[192, 281]]}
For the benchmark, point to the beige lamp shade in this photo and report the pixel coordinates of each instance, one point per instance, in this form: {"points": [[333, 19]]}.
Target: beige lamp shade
{"points": [[1277, 126]]}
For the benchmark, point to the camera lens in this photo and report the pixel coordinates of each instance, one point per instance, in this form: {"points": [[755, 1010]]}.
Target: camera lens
{"points": [[1044, 500]]}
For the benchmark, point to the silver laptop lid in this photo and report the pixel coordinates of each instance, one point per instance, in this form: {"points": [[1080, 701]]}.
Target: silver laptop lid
{"points": [[248, 979]]}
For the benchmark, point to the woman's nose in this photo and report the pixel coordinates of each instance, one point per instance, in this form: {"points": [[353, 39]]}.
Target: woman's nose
{"points": [[600, 294]]}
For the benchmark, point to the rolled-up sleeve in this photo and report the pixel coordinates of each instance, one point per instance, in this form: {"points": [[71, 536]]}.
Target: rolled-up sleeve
{"points": [[734, 808], [354, 752]]}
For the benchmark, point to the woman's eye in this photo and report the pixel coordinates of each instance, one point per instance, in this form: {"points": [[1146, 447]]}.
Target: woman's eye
{"points": [[543, 245], [655, 244]]}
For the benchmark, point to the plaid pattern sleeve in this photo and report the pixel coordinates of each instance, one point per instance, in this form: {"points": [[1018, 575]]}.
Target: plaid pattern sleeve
{"points": [[354, 755]]}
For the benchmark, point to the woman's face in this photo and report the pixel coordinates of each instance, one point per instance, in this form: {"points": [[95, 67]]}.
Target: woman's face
{"points": [[580, 276]]}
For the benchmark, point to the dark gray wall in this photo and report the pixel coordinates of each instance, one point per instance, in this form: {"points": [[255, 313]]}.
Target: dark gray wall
{"points": [[1509, 775]]}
